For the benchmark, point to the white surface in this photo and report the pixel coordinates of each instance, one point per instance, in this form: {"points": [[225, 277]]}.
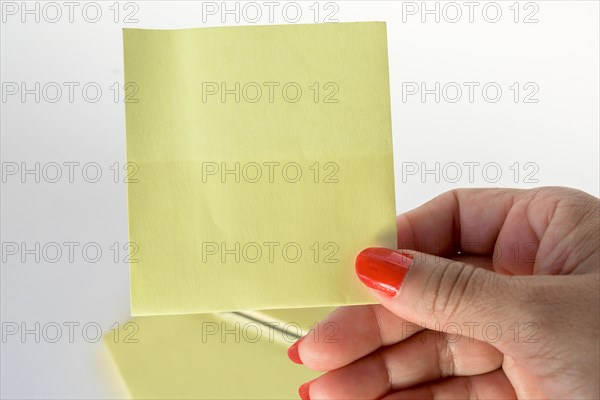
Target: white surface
{"points": [[559, 134]]}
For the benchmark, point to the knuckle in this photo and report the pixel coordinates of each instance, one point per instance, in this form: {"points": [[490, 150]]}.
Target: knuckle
{"points": [[452, 290], [446, 357]]}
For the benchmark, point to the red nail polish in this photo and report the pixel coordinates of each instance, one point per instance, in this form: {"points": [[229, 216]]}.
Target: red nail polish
{"points": [[383, 269], [303, 391], [294, 354]]}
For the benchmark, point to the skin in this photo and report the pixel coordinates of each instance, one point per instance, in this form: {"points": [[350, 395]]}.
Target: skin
{"points": [[542, 295]]}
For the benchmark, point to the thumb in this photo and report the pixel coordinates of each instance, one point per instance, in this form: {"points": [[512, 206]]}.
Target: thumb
{"points": [[444, 295]]}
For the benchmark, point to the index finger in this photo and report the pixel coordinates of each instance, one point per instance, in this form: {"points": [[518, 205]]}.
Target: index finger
{"points": [[455, 221]]}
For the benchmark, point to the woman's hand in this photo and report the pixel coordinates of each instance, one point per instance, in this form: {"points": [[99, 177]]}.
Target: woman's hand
{"points": [[516, 317]]}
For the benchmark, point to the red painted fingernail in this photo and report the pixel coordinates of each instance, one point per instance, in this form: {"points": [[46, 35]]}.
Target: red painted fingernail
{"points": [[293, 353], [383, 269], [303, 391]]}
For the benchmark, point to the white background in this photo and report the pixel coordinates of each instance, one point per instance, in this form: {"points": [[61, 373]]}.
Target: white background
{"points": [[557, 137]]}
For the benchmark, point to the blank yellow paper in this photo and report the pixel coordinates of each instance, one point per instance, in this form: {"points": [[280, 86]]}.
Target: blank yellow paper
{"points": [[208, 356], [261, 164]]}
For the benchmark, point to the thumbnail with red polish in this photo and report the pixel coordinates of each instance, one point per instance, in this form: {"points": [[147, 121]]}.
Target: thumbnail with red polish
{"points": [[383, 269], [294, 354]]}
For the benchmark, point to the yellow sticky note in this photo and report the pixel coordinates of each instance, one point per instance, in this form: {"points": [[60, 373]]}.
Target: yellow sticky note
{"points": [[208, 356], [260, 165]]}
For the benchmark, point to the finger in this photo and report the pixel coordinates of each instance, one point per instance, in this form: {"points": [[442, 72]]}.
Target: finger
{"points": [[457, 219], [526, 231], [425, 357], [433, 291], [493, 385], [480, 261], [349, 333]]}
